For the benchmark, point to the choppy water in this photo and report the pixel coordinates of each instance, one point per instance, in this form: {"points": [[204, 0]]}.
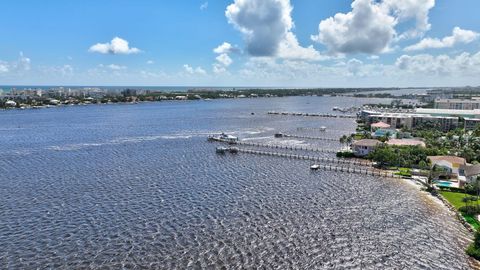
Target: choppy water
{"points": [[138, 186]]}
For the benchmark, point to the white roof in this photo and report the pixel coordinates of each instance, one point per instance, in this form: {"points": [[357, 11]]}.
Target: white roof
{"points": [[449, 112]]}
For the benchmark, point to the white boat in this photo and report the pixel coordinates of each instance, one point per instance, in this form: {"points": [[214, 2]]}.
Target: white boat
{"points": [[315, 167], [323, 128], [221, 150], [224, 138]]}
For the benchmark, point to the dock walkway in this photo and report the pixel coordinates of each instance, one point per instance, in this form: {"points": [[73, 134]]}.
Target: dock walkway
{"points": [[295, 148], [309, 137], [307, 157], [349, 166], [323, 115]]}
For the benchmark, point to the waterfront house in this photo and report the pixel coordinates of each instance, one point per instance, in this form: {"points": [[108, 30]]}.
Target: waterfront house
{"points": [[412, 121], [364, 147], [457, 104], [451, 164], [379, 125], [10, 103], [406, 142], [470, 172]]}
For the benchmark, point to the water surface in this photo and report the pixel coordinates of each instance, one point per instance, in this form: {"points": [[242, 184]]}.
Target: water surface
{"points": [[138, 186]]}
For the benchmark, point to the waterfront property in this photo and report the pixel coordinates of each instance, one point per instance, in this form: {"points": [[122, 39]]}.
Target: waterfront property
{"points": [[412, 121], [406, 142], [449, 112], [457, 104], [470, 172], [451, 163], [379, 125], [362, 148]]}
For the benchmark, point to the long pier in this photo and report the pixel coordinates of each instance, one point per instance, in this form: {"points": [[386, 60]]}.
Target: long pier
{"points": [[307, 157], [325, 115], [308, 137], [353, 168], [295, 148]]}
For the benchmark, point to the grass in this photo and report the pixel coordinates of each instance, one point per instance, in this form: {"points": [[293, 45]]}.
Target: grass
{"points": [[404, 172], [455, 199], [472, 220]]}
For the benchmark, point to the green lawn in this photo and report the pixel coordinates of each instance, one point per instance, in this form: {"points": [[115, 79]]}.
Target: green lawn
{"points": [[455, 198], [472, 220]]}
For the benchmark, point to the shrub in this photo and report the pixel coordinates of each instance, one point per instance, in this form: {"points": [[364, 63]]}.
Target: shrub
{"points": [[474, 248], [345, 155], [470, 209]]}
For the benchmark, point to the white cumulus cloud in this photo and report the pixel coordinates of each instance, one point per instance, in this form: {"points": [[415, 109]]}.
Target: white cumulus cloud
{"points": [[458, 36], [267, 29], [224, 59], [370, 27], [115, 46], [366, 29], [4, 67], [405, 10], [21, 65], [191, 70], [460, 65], [225, 47]]}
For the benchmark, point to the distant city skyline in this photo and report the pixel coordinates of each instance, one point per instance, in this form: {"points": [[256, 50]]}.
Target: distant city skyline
{"points": [[241, 43]]}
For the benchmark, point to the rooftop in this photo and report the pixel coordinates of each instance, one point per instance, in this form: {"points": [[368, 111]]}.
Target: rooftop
{"points": [[471, 170], [451, 159], [367, 142], [457, 100], [412, 115], [406, 142], [475, 112], [380, 125]]}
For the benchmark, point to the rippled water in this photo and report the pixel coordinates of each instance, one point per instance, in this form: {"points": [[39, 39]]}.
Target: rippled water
{"points": [[138, 186]]}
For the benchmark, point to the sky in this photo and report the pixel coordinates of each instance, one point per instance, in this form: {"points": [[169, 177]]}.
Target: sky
{"points": [[271, 43]]}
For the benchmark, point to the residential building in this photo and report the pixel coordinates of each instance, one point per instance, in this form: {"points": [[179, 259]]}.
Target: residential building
{"points": [[475, 113], [451, 164], [379, 125], [364, 147], [471, 172], [411, 121], [471, 123], [457, 104], [406, 142]]}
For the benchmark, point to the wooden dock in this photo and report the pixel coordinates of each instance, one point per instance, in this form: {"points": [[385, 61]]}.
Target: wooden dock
{"points": [[349, 166], [309, 137], [307, 157], [323, 115], [285, 147]]}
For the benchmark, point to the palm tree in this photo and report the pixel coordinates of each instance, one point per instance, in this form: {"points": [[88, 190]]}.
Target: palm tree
{"points": [[343, 140], [349, 141]]}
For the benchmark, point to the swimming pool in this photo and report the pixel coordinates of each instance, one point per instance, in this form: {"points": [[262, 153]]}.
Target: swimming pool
{"points": [[440, 183]]}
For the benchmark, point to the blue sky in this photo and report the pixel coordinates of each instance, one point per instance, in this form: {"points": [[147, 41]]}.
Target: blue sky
{"points": [[304, 43]]}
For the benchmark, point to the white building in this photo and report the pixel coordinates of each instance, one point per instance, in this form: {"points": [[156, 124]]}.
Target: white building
{"points": [[10, 103], [451, 163], [364, 147], [411, 121], [457, 104]]}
